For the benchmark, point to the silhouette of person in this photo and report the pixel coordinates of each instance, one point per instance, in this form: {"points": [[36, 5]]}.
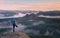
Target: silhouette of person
{"points": [[13, 21]]}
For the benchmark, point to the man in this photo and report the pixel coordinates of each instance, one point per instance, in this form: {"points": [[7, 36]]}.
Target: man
{"points": [[14, 24]]}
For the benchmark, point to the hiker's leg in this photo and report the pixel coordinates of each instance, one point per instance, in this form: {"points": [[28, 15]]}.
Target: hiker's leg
{"points": [[13, 27]]}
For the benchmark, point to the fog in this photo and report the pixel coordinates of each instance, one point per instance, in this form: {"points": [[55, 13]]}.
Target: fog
{"points": [[20, 27], [14, 16], [48, 16]]}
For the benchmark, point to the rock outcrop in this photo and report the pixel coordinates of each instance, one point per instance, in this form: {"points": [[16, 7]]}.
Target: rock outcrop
{"points": [[14, 35]]}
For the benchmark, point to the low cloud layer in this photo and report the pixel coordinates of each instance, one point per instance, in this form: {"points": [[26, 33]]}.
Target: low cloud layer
{"points": [[14, 16], [48, 16]]}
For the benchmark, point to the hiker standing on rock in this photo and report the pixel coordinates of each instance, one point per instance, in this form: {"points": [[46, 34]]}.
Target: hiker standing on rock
{"points": [[13, 21]]}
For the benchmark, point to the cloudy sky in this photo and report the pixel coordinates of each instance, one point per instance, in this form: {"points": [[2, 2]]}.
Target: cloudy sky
{"points": [[44, 5]]}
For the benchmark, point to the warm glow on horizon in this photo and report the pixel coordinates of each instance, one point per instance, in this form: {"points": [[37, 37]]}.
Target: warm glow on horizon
{"points": [[35, 6]]}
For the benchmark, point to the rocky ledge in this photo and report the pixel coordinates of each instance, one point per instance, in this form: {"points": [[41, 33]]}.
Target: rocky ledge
{"points": [[14, 35]]}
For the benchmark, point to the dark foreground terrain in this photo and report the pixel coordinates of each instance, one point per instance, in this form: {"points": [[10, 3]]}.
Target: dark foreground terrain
{"points": [[23, 35], [14, 35]]}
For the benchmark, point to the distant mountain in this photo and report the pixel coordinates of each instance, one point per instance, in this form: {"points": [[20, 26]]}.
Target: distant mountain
{"points": [[30, 16], [7, 13], [49, 13]]}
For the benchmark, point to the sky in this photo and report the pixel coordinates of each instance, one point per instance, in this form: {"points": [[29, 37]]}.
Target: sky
{"points": [[43, 5]]}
